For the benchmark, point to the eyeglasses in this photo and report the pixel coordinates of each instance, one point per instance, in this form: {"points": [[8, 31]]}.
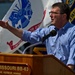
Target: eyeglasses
{"points": [[54, 13]]}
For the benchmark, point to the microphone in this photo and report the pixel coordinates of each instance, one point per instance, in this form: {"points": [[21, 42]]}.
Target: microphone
{"points": [[52, 33]]}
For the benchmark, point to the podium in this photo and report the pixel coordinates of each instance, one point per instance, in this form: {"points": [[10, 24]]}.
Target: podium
{"points": [[28, 64]]}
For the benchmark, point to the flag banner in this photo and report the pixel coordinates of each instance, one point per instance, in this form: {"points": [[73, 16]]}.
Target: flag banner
{"points": [[71, 3], [26, 15]]}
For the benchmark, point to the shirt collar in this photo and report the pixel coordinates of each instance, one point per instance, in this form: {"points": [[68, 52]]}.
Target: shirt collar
{"points": [[66, 26]]}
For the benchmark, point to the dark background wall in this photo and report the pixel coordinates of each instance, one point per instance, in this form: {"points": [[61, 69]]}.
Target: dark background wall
{"points": [[4, 7]]}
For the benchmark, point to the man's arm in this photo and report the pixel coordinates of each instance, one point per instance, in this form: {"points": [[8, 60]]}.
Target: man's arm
{"points": [[15, 31]]}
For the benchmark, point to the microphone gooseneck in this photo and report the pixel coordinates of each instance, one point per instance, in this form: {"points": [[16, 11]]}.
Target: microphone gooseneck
{"points": [[52, 33]]}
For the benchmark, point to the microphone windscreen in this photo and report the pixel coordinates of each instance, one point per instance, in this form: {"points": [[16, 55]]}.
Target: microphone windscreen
{"points": [[53, 33]]}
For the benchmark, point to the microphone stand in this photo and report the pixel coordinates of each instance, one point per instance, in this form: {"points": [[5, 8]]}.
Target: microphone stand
{"points": [[31, 46]]}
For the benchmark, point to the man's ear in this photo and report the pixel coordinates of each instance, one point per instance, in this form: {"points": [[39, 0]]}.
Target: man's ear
{"points": [[64, 16]]}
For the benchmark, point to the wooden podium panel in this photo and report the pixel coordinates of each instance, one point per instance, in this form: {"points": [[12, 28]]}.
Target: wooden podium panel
{"points": [[12, 68], [40, 64]]}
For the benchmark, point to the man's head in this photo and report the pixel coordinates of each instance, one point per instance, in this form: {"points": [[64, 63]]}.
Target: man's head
{"points": [[59, 14]]}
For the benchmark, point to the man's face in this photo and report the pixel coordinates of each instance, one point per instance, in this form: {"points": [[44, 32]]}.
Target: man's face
{"points": [[56, 16]]}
